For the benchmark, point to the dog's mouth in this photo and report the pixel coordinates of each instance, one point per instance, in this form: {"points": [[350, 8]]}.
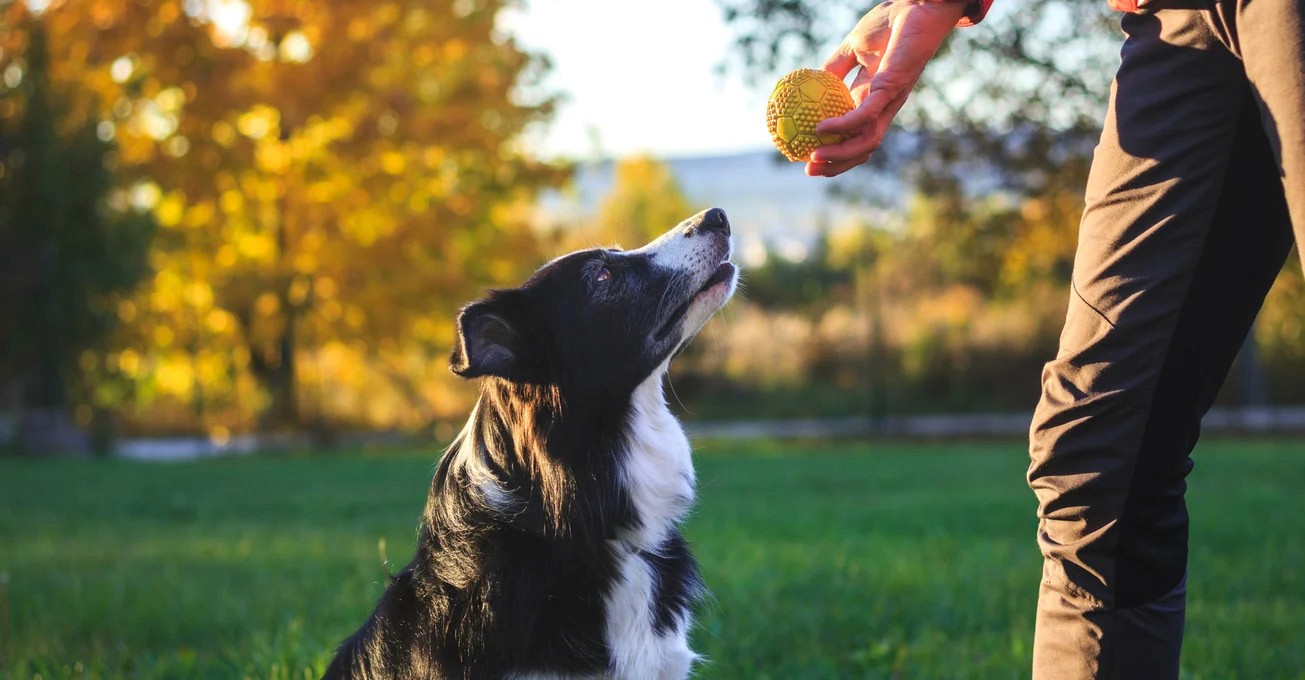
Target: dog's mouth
{"points": [[724, 274]]}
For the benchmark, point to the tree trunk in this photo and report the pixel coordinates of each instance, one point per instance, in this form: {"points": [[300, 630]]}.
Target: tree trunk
{"points": [[282, 381], [44, 426]]}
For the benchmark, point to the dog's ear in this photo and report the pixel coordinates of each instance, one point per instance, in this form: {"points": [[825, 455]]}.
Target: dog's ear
{"points": [[494, 337]]}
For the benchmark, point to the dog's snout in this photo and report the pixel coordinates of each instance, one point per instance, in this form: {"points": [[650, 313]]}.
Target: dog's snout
{"points": [[712, 220]]}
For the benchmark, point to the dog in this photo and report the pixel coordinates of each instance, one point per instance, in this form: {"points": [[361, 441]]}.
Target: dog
{"points": [[550, 547]]}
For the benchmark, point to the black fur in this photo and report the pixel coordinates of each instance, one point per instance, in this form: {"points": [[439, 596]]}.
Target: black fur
{"points": [[513, 581]]}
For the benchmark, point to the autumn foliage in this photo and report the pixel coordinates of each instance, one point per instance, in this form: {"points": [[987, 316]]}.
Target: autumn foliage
{"points": [[329, 180]]}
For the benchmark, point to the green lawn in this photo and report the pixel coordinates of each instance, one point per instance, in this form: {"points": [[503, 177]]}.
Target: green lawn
{"points": [[839, 560]]}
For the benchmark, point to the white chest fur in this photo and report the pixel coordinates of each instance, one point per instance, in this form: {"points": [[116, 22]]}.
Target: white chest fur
{"points": [[658, 470], [658, 474]]}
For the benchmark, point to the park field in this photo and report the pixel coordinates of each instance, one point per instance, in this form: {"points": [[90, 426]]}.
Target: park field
{"points": [[826, 560]]}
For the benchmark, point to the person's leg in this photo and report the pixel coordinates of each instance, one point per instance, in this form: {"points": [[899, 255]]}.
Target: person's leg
{"points": [[1183, 234], [1273, 52]]}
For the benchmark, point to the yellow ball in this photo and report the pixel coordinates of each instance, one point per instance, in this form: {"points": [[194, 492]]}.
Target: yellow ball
{"points": [[799, 101]]}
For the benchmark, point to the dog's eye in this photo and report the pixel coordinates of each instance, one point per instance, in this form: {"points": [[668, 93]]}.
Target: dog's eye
{"points": [[604, 275]]}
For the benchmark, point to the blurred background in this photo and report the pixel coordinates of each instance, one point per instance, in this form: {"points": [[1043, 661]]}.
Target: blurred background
{"points": [[245, 226], [221, 218]]}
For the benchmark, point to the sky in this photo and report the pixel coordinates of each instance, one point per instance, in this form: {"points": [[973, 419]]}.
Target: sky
{"points": [[640, 77]]}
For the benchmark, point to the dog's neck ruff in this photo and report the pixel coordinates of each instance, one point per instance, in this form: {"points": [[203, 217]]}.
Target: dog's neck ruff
{"points": [[658, 472], [614, 472]]}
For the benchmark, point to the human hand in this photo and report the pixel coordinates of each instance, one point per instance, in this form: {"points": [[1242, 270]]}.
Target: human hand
{"points": [[892, 43]]}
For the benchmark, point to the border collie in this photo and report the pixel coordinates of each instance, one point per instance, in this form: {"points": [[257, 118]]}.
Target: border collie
{"points": [[550, 547]]}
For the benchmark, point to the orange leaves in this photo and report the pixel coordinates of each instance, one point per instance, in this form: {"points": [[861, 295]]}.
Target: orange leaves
{"points": [[335, 178]]}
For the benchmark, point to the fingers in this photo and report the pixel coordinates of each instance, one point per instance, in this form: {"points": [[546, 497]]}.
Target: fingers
{"points": [[861, 122], [860, 146], [860, 87], [892, 48], [835, 159], [873, 92], [841, 62], [833, 169], [848, 123]]}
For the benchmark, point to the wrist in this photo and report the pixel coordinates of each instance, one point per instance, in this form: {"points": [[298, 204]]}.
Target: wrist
{"points": [[967, 12]]}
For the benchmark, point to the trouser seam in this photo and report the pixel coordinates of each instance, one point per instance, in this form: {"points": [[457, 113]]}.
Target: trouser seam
{"points": [[1110, 658]]}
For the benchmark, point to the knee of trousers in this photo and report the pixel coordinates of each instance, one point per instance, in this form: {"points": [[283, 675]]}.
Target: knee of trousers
{"points": [[1112, 527]]}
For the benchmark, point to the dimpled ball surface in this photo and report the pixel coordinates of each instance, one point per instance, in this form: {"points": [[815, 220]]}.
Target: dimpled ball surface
{"points": [[799, 101]]}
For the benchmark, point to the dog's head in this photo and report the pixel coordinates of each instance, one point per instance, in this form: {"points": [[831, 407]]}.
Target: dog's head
{"points": [[601, 321]]}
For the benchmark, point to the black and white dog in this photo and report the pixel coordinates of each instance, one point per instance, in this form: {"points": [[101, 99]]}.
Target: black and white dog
{"points": [[550, 546]]}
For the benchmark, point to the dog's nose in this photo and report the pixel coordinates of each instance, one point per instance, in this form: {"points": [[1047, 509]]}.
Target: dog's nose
{"points": [[713, 220]]}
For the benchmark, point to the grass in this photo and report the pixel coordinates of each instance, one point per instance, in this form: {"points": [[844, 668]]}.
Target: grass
{"points": [[826, 561]]}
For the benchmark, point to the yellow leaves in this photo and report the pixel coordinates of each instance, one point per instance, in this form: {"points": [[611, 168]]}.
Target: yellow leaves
{"points": [[386, 13], [226, 256], [416, 20], [645, 200], [176, 146], [199, 295], [361, 229], [455, 49], [255, 246], [174, 376], [359, 30], [199, 215], [285, 128], [331, 310], [127, 311], [418, 203], [219, 435], [305, 263], [129, 362], [224, 133], [393, 162], [273, 157], [144, 195], [171, 209], [368, 226], [163, 336], [325, 287], [321, 192], [500, 269], [295, 47], [170, 100], [228, 21], [299, 289], [355, 317], [267, 304], [167, 290], [219, 321], [433, 157], [231, 201], [122, 68], [150, 118], [259, 121], [423, 55], [319, 132], [426, 329]]}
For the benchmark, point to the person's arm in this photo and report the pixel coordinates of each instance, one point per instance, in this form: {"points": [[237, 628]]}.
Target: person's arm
{"points": [[892, 43]]}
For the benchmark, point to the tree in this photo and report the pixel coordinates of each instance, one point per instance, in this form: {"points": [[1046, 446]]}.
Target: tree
{"points": [[66, 255], [341, 173], [645, 201]]}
